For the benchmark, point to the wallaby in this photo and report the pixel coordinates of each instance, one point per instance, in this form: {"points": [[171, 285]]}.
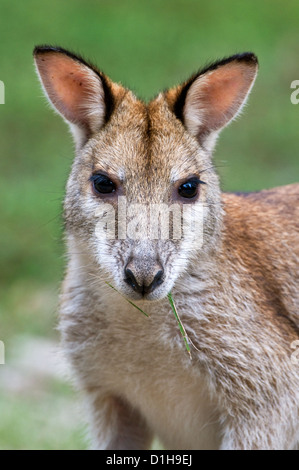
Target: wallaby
{"points": [[236, 292]]}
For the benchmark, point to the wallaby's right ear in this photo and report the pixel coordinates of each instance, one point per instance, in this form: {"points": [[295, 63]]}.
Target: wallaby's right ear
{"points": [[76, 89], [214, 96]]}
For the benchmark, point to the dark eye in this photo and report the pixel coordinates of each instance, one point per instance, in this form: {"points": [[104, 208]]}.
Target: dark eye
{"points": [[102, 184], [189, 189]]}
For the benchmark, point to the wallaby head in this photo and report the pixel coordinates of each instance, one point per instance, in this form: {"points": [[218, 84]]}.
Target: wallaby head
{"points": [[135, 159]]}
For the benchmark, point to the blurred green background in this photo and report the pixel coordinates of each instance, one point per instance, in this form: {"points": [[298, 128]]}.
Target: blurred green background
{"points": [[148, 46]]}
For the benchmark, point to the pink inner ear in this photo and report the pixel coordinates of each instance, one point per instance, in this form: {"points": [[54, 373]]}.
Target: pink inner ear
{"points": [[219, 95], [223, 89], [70, 86]]}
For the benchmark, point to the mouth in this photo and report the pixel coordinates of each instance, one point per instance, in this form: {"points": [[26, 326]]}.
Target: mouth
{"points": [[154, 295], [157, 292]]}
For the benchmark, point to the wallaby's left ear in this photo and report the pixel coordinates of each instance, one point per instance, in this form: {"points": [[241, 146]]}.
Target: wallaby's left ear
{"points": [[213, 97], [77, 90]]}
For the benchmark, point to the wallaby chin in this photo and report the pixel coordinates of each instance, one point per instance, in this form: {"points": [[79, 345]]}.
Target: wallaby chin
{"points": [[144, 216]]}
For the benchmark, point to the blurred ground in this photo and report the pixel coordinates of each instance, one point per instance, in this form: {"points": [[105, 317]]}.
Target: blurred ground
{"points": [[38, 409], [147, 46], [30, 418]]}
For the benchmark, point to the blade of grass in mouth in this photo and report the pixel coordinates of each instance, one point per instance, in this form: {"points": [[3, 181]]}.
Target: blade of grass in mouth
{"points": [[173, 307], [181, 326], [138, 308]]}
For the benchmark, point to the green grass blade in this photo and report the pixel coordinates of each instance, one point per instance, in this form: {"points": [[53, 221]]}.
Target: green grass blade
{"points": [[182, 329], [173, 307], [138, 308]]}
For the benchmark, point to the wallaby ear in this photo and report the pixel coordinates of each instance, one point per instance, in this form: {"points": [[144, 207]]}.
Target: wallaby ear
{"points": [[76, 89], [214, 96]]}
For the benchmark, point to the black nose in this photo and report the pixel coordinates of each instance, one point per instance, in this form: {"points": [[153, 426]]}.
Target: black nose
{"points": [[142, 287]]}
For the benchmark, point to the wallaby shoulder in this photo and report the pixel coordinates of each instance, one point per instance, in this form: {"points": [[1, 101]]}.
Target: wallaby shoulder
{"points": [[261, 232], [272, 213]]}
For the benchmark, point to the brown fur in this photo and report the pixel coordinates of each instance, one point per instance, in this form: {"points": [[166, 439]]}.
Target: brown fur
{"points": [[237, 294]]}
